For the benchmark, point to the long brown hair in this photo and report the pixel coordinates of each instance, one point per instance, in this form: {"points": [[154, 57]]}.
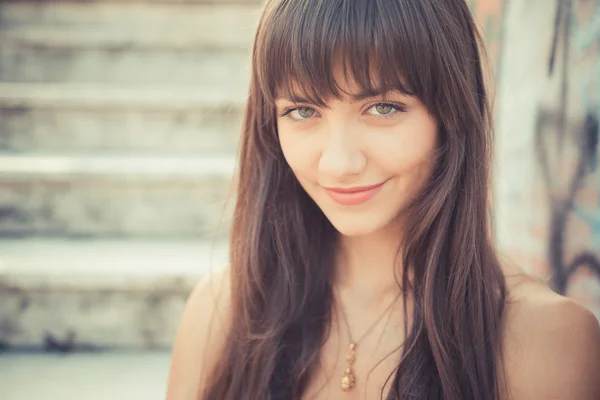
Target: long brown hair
{"points": [[282, 245]]}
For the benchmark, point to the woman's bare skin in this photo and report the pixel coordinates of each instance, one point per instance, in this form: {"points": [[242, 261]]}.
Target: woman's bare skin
{"points": [[551, 345]]}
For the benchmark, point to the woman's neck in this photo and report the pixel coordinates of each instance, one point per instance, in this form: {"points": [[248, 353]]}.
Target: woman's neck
{"points": [[368, 268]]}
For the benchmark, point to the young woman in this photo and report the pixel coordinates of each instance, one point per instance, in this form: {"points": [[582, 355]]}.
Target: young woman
{"points": [[361, 262]]}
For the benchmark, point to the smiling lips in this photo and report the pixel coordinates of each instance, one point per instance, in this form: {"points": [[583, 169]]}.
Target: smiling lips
{"points": [[355, 195]]}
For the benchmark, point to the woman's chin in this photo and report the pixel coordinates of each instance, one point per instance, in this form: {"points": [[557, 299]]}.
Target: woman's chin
{"points": [[355, 228]]}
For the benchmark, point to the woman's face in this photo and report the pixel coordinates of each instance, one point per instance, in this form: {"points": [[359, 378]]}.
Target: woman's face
{"points": [[360, 161]]}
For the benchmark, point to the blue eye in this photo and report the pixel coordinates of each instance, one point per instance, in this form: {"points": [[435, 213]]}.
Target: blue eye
{"points": [[305, 112], [302, 112], [385, 110]]}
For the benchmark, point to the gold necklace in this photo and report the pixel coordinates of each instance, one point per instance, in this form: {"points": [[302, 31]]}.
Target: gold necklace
{"points": [[348, 380]]}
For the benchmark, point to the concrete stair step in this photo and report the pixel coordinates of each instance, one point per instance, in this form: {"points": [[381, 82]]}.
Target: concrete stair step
{"points": [[63, 294], [126, 43], [111, 375], [64, 117], [216, 23], [41, 10], [114, 195], [20, 63]]}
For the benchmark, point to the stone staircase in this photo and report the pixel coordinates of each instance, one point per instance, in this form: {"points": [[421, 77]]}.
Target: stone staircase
{"points": [[119, 123]]}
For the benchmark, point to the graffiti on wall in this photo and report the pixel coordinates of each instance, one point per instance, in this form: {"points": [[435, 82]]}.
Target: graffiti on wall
{"points": [[567, 145], [488, 16]]}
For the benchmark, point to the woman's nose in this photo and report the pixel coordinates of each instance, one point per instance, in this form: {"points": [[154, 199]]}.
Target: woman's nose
{"points": [[342, 155]]}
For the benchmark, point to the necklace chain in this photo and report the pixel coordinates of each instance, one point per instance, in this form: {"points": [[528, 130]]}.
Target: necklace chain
{"points": [[372, 325], [348, 378]]}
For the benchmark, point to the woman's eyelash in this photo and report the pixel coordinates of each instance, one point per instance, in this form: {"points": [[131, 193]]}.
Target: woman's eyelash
{"points": [[396, 107], [287, 111]]}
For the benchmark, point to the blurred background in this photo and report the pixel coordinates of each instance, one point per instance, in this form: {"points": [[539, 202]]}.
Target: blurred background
{"points": [[119, 122]]}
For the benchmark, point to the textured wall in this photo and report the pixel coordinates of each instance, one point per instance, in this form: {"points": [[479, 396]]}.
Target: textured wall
{"points": [[548, 108], [489, 16]]}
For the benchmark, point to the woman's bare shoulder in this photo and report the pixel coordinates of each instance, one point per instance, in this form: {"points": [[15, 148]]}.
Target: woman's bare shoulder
{"points": [[201, 335], [551, 344]]}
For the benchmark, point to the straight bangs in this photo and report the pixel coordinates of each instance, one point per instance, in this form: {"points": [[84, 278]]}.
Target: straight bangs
{"points": [[302, 44]]}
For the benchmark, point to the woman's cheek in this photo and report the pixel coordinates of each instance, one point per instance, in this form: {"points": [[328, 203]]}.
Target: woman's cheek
{"points": [[300, 149]]}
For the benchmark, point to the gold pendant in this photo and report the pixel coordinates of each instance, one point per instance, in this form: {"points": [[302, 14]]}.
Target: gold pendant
{"points": [[348, 380]]}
